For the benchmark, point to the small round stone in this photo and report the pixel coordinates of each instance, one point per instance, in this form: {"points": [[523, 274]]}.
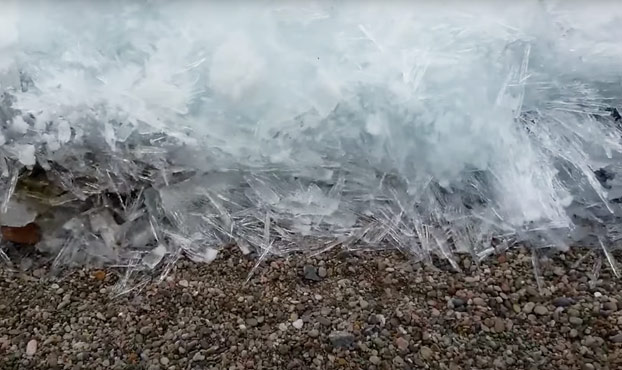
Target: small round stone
{"points": [[540, 310], [298, 324]]}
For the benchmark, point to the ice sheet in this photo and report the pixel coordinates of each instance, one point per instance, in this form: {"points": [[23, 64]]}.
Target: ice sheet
{"points": [[171, 128]]}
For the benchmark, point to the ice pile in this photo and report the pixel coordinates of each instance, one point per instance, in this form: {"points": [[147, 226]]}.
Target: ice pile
{"points": [[135, 132]]}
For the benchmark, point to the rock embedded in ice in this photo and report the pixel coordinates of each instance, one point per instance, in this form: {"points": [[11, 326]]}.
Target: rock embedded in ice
{"points": [[29, 234]]}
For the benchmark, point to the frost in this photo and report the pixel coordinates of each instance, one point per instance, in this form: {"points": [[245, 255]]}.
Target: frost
{"points": [[146, 131]]}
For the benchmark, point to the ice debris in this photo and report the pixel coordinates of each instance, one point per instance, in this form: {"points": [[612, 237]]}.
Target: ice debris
{"points": [[136, 132]]}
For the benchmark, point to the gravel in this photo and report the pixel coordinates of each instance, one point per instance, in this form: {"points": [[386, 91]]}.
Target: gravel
{"points": [[341, 310]]}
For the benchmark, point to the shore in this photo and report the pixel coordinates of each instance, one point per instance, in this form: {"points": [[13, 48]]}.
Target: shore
{"points": [[340, 310]]}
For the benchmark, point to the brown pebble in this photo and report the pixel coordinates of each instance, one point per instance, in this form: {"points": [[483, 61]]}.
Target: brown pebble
{"points": [[27, 235], [99, 275]]}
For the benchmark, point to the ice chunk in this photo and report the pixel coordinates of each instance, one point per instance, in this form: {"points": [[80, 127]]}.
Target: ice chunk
{"points": [[154, 257], [17, 214], [205, 256], [25, 154], [19, 125]]}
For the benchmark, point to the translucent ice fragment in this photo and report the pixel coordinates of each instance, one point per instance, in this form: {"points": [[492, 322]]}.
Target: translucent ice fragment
{"points": [[25, 154], [19, 125], [17, 214], [154, 257], [205, 255]]}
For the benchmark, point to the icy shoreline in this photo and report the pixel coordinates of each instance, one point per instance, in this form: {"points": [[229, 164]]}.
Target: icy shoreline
{"points": [[137, 132]]}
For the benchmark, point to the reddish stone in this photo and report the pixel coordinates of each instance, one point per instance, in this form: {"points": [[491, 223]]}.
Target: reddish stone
{"points": [[28, 235]]}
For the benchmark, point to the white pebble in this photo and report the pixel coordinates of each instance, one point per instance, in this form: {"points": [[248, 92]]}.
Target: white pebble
{"points": [[597, 294], [31, 348], [183, 283], [298, 324]]}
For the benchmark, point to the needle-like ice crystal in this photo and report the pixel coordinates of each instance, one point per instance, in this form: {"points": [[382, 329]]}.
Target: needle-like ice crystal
{"points": [[135, 132]]}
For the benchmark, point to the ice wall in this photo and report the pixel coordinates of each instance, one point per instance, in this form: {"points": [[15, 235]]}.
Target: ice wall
{"points": [[138, 131]]}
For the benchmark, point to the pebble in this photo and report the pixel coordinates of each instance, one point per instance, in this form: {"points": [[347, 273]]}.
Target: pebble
{"points": [[528, 307], [358, 322], [31, 347], [616, 338], [499, 325], [426, 352], [563, 302], [402, 344], [298, 324], [322, 272], [198, 357], [575, 320], [541, 310], [324, 321], [398, 361], [184, 284], [341, 339], [311, 273], [610, 306]]}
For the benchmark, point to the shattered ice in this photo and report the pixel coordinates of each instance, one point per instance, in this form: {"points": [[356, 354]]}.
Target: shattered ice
{"points": [[136, 132]]}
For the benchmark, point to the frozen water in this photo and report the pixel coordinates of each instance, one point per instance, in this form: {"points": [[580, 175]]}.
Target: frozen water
{"points": [[168, 129]]}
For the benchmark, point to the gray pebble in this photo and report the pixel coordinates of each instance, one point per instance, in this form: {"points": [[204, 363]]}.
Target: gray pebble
{"points": [[575, 320], [616, 338], [426, 352], [324, 321], [311, 273], [198, 357], [374, 360], [398, 361], [541, 310], [341, 339], [610, 306], [402, 344], [563, 302], [322, 272]]}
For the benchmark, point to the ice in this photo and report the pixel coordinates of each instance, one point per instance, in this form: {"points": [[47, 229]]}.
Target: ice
{"points": [[163, 130], [17, 214]]}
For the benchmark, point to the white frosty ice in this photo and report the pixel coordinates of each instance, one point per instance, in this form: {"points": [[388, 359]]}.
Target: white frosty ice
{"points": [[284, 126]]}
